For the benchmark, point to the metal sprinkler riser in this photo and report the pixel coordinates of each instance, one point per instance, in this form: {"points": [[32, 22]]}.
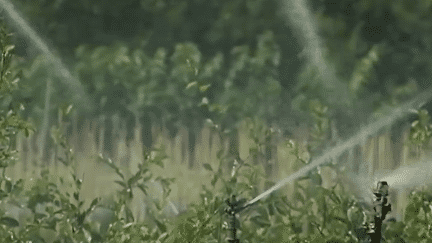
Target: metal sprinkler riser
{"points": [[382, 207], [234, 207]]}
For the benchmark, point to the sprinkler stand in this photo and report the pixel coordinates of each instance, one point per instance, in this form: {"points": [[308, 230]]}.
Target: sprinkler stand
{"points": [[234, 207], [381, 207]]}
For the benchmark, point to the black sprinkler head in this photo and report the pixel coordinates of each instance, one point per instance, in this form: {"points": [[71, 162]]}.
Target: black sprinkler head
{"points": [[382, 188], [381, 207]]}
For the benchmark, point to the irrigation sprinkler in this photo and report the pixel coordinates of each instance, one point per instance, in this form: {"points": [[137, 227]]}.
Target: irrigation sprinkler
{"points": [[234, 207], [381, 207]]}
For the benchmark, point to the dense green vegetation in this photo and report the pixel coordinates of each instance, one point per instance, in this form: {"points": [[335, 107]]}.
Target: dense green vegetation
{"points": [[140, 71], [195, 63]]}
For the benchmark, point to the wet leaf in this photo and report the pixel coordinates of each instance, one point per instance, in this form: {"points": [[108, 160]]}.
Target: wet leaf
{"points": [[143, 188], [207, 167], [281, 208], [261, 221], [8, 185], [204, 88], [215, 179], [192, 84], [134, 179], [76, 195], [121, 183], [8, 221], [94, 202]]}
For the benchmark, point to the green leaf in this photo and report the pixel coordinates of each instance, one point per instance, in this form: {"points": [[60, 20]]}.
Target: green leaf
{"points": [[8, 49], [94, 202], [281, 208], [334, 197], [157, 204], [8, 186], [204, 88], [76, 195], [118, 172], [271, 208], [68, 110], [355, 215], [192, 84], [204, 102], [121, 183], [19, 186], [134, 179], [261, 221], [129, 214], [3, 194], [207, 167], [143, 188], [162, 227], [8, 221], [297, 195], [241, 186], [262, 211], [209, 122], [215, 179]]}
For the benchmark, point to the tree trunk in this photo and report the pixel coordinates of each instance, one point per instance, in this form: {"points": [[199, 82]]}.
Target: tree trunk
{"points": [[146, 135], [191, 144], [270, 157], [397, 141], [108, 137], [357, 157], [233, 149]]}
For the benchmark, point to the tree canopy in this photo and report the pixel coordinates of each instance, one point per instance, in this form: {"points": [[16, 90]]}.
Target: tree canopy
{"points": [[187, 60]]}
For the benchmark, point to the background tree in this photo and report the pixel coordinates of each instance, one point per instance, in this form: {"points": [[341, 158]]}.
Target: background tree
{"points": [[375, 51]]}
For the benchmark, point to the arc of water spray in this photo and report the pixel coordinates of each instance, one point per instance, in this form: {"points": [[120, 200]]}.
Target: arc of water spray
{"points": [[299, 17], [79, 96], [363, 134]]}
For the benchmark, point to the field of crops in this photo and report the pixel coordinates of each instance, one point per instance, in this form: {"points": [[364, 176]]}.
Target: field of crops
{"points": [[99, 179], [215, 121]]}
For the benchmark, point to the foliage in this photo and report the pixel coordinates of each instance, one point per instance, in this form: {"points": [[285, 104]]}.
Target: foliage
{"points": [[210, 23], [375, 48], [175, 88], [374, 67], [182, 87], [312, 214], [10, 122], [54, 208], [421, 133], [111, 71], [63, 214], [321, 127]]}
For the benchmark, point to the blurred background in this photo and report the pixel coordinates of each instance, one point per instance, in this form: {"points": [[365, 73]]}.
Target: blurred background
{"points": [[142, 74]]}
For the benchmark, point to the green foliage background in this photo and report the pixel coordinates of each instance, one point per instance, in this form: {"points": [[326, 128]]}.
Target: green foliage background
{"points": [[244, 59]]}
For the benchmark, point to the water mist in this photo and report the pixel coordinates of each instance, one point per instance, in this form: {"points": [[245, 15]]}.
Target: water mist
{"points": [[418, 174], [301, 18], [80, 98]]}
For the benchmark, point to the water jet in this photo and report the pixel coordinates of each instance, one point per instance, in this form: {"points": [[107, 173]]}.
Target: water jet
{"points": [[80, 98], [361, 135], [410, 176]]}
